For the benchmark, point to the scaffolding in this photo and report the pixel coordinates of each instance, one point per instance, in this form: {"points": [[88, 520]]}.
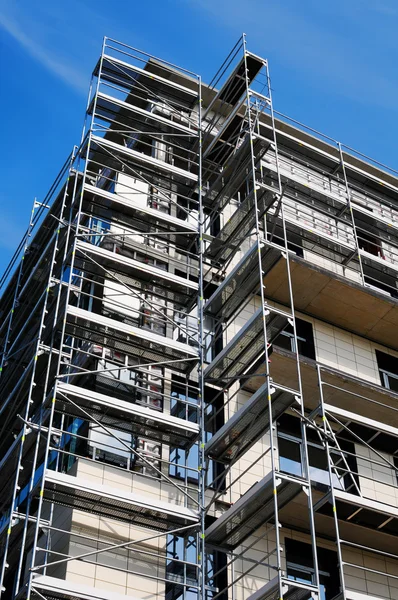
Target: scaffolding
{"points": [[139, 369], [102, 291]]}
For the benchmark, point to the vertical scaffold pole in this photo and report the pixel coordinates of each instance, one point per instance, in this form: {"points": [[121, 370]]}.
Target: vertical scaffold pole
{"points": [[332, 494], [349, 204], [265, 335], [202, 458]]}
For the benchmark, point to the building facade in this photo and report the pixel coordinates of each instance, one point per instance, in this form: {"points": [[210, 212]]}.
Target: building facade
{"points": [[199, 353]]}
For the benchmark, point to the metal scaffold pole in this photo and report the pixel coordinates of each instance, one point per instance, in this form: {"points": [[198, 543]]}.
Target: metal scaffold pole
{"points": [[259, 239], [331, 484]]}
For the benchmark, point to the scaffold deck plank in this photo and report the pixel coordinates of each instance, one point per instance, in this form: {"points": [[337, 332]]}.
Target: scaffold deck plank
{"points": [[54, 587], [246, 346], [292, 590], [249, 423], [116, 503], [141, 420], [137, 340], [235, 85], [251, 511], [239, 226], [242, 281]]}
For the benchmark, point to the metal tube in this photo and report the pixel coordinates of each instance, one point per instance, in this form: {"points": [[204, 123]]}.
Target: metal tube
{"points": [[348, 191], [335, 517], [110, 547]]}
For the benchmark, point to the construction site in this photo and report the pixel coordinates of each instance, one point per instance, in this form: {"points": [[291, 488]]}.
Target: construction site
{"points": [[199, 353]]}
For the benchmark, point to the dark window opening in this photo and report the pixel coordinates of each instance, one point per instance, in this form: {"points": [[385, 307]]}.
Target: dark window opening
{"points": [[185, 405], [294, 242], [217, 572], [215, 226], [395, 460], [369, 243], [180, 575], [388, 286], [305, 339], [388, 369], [181, 572], [299, 565], [290, 452], [183, 274]]}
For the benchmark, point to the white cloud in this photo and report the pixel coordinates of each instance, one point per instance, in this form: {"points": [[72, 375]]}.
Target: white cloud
{"points": [[46, 58]]}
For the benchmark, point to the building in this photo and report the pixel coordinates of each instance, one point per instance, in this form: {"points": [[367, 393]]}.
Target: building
{"points": [[199, 367]]}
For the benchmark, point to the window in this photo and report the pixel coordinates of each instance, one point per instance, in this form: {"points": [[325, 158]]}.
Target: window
{"points": [[291, 459], [153, 311], [120, 304], [104, 447], [73, 442], [159, 200], [299, 566], [216, 571], [149, 387], [141, 385], [388, 369], [180, 574], [98, 226], [186, 330], [151, 452], [305, 339], [185, 405], [295, 242], [182, 555], [369, 243], [111, 446], [395, 461]]}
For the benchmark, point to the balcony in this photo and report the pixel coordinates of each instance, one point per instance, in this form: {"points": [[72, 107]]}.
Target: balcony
{"points": [[139, 160], [117, 70], [292, 590], [340, 390], [361, 520], [135, 209], [239, 226], [108, 107], [234, 173]]}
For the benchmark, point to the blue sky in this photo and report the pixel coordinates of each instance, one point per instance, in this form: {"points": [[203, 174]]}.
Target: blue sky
{"points": [[333, 67]]}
